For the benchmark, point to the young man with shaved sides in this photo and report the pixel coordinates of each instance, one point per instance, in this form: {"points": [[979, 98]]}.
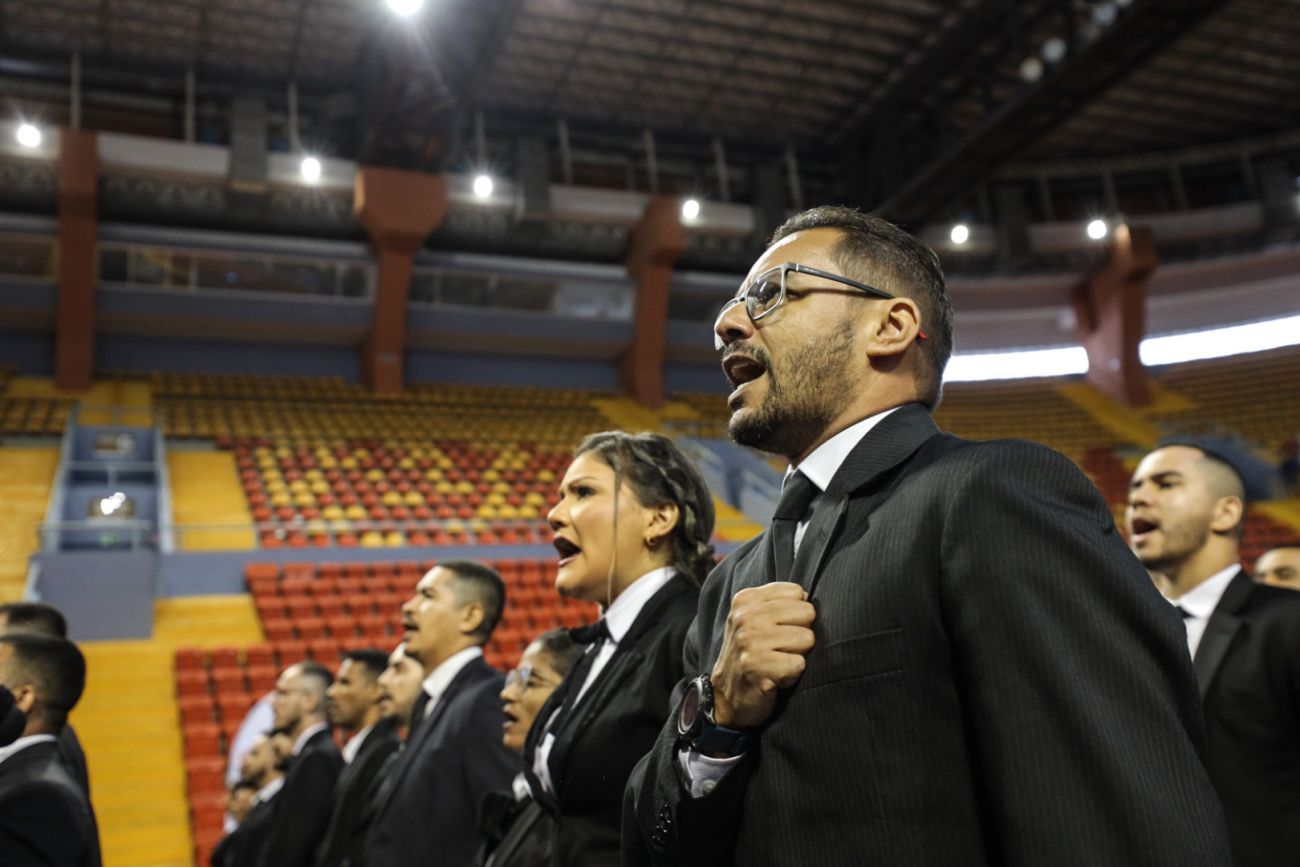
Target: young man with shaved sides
{"points": [[1279, 567], [1186, 509]]}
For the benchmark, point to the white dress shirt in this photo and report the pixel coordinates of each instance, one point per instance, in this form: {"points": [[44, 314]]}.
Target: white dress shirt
{"points": [[269, 791], [701, 771], [307, 735], [23, 743], [1200, 602], [618, 619], [442, 676], [353, 746]]}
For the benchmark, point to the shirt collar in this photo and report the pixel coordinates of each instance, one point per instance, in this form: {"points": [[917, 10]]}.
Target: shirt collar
{"points": [[353, 746], [825, 461], [442, 676], [307, 735], [23, 743], [1201, 600], [269, 791], [620, 616]]}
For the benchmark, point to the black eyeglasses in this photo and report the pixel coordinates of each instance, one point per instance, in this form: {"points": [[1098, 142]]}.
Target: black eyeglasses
{"points": [[766, 292], [522, 677]]}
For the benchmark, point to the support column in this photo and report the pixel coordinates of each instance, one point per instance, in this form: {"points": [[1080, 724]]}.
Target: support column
{"points": [[1110, 307], [399, 209], [74, 338], [655, 243]]}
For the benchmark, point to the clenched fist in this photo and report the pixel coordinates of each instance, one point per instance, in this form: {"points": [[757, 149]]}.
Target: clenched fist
{"points": [[769, 632]]}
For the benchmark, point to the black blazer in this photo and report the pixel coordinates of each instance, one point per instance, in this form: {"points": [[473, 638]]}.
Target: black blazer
{"points": [[515, 833], [45, 818], [996, 681], [74, 758], [427, 810], [302, 808], [617, 720], [1248, 667], [345, 841], [244, 845]]}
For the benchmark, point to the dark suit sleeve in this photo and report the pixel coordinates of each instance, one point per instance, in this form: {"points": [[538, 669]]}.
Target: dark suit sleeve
{"points": [[487, 766], [302, 810], [662, 823], [40, 826], [1079, 697]]}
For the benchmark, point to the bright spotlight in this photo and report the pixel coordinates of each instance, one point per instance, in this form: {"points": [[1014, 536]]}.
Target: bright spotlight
{"points": [[310, 169], [405, 8], [690, 209], [1054, 50], [482, 186], [1097, 229], [1031, 69], [28, 135], [960, 234]]}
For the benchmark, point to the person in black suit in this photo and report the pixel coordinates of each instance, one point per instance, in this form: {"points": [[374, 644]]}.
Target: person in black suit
{"points": [[354, 706], [37, 618], [260, 768], [1185, 515], [517, 831], [45, 817], [940, 651], [302, 809], [632, 528], [1279, 567], [426, 809]]}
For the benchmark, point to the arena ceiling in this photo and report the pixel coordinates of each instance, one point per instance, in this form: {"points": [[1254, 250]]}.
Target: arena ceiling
{"points": [[916, 100]]}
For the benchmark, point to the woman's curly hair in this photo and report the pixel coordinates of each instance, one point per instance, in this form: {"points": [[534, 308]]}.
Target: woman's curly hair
{"points": [[658, 472]]}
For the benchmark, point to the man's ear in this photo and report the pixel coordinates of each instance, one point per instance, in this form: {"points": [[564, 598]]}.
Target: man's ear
{"points": [[25, 698], [471, 618], [895, 328], [1228, 513]]}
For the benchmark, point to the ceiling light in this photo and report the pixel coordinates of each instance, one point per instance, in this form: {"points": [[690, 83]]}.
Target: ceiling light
{"points": [[310, 169], [690, 209], [483, 186], [405, 8], [1097, 229], [1016, 364], [28, 135], [960, 234], [1054, 50], [1031, 69]]}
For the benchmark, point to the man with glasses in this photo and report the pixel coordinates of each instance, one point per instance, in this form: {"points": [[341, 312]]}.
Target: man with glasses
{"points": [[940, 652]]}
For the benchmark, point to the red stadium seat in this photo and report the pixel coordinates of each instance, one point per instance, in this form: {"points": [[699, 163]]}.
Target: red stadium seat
{"points": [[196, 709], [290, 652], [259, 654], [262, 678], [261, 570], [224, 657], [191, 683], [233, 706], [202, 739], [190, 659]]}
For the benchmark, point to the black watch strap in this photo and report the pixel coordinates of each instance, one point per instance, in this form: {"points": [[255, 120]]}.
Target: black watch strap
{"points": [[720, 741]]}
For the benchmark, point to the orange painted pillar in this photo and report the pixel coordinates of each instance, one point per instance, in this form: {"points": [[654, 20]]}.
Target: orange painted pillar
{"points": [[1110, 307], [399, 209], [74, 335], [655, 243]]}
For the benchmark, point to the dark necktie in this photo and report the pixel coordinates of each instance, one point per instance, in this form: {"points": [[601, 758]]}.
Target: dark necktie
{"points": [[1183, 612], [418, 712], [591, 633], [797, 494]]}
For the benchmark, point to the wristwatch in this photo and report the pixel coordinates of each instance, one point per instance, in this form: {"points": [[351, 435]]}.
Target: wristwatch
{"points": [[697, 727]]}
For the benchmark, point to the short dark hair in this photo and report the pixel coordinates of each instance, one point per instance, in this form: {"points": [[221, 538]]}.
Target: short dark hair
{"points": [[55, 667], [1225, 478], [313, 670], [876, 251], [373, 660], [34, 617], [658, 472], [562, 650], [478, 582]]}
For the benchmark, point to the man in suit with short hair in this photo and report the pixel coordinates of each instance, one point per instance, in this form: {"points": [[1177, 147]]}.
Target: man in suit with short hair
{"points": [[37, 618], [1279, 567], [260, 769], [302, 809], [1185, 514], [45, 816], [940, 651], [354, 706], [428, 806]]}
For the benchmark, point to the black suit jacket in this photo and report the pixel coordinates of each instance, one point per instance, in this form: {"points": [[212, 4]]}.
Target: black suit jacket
{"points": [[615, 723], [1248, 667], [302, 808], [45, 818], [427, 809], [74, 758], [344, 844], [245, 845], [515, 833], [995, 681]]}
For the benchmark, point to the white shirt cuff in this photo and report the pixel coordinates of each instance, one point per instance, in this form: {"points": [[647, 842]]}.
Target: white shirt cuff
{"points": [[703, 773]]}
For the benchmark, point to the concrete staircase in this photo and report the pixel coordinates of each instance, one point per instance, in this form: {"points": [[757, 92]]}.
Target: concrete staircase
{"points": [[130, 728]]}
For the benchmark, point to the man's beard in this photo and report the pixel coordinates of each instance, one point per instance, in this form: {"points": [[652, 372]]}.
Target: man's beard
{"points": [[800, 403]]}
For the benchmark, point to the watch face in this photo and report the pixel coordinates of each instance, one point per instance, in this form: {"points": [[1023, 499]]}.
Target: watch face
{"points": [[690, 711]]}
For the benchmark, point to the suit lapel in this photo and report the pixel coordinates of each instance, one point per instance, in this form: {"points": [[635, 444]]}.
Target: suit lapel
{"points": [[1220, 630]]}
